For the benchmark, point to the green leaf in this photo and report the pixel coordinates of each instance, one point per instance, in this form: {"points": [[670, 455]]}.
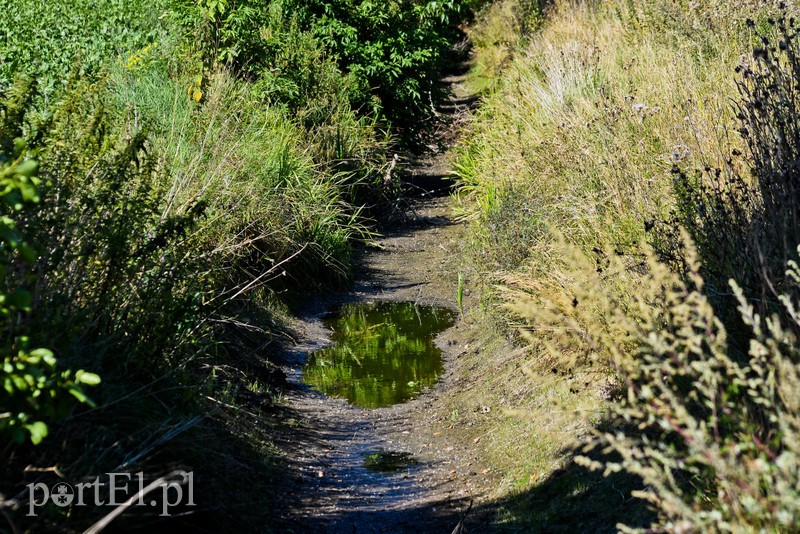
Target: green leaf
{"points": [[19, 383], [90, 379], [46, 355], [38, 431], [19, 146], [27, 168], [8, 385], [78, 394]]}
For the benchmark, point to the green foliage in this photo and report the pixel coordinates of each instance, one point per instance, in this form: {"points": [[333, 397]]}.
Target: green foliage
{"points": [[393, 47], [234, 153], [35, 392], [381, 56], [162, 253], [33, 389], [212, 9], [113, 275], [48, 40]]}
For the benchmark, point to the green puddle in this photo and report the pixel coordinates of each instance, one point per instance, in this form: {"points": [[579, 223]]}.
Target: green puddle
{"points": [[382, 352], [388, 461]]}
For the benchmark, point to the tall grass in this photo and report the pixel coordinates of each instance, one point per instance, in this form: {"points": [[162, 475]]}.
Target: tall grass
{"points": [[176, 204], [570, 171], [585, 129], [271, 186]]}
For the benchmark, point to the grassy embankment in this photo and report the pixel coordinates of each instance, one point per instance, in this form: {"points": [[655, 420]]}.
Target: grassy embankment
{"points": [[614, 124], [170, 172]]}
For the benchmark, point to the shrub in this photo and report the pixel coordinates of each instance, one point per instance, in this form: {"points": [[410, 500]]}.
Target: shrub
{"points": [[382, 57], [114, 271], [713, 439], [34, 390], [743, 214]]}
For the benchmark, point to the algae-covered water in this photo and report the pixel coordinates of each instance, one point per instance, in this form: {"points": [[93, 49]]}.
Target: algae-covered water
{"points": [[382, 352]]}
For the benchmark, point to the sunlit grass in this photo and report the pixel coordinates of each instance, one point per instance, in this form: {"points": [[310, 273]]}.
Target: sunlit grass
{"points": [[575, 145]]}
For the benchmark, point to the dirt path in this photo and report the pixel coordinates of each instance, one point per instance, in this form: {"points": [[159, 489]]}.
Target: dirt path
{"points": [[339, 493], [332, 491]]}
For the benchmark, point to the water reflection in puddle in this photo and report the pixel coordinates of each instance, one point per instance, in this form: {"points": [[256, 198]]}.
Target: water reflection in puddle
{"points": [[382, 352], [388, 461]]}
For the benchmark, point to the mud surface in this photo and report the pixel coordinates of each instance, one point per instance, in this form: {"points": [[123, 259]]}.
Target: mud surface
{"points": [[332, 490], [335, 490]]}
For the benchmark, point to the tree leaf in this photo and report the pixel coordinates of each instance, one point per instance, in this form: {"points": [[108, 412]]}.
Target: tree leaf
{"points": [[38, 431], [90, 379]]}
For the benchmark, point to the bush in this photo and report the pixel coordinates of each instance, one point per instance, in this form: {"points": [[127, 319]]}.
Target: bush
{"points": [[384, 58], [714, 441], [34, 391], [150, 238], [744, 214], [114, 271]]}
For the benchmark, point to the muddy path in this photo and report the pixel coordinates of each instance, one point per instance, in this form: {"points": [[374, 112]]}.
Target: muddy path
{"points": [[330, 488], [337, 492]]}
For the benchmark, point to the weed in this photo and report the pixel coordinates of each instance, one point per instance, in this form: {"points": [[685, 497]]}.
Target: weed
{"points": [[711, 438], [460, 294], [569, 164], [743, 213]]}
